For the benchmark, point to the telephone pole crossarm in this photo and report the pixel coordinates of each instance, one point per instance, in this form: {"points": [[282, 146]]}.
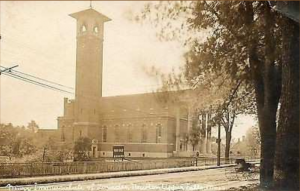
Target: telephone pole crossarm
{"points": [[8, 69]]}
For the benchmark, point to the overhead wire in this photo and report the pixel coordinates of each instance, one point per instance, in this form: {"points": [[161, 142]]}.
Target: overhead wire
{"points": [[11, 74], [22, 78], [38, 78]]}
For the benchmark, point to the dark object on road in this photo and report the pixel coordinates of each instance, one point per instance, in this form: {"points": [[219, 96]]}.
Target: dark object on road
{"points": [[239, 161], [242, 170], [242, 165]]}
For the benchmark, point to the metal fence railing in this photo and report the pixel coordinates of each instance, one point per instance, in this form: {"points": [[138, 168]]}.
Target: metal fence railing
{"points": [[13, 170]]}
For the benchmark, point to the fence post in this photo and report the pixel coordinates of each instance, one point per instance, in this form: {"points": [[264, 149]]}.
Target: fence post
{"points": [[31, 169], [59, 168], [84, 167]]}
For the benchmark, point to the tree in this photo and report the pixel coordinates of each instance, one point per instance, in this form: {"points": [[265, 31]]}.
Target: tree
{"points": [[238, 102], [33, 126], [82, 147], [65, 152], [23, 146], [53, 151], [228, 117], [16, 141], [195, 135], [287, 144], [7, 138], [253, 141], [244, 39]]}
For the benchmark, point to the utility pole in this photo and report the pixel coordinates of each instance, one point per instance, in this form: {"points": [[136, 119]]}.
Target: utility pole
{"points": [[91, 4], [219, 145]]}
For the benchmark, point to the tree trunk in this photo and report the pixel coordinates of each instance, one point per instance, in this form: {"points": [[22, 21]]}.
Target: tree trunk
{"points": [[266, 75], [227, 146], [286, 175], [267, 96], [267, 124]]}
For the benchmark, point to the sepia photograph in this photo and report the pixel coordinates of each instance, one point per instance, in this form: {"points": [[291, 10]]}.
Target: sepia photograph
{"points": [[149, 95]]}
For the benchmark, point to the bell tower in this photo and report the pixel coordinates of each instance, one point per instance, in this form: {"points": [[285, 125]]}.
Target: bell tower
{"points": [[89, 64]]}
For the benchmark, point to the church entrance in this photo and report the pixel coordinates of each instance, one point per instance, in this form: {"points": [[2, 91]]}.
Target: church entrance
{"points": [[94, 152]]}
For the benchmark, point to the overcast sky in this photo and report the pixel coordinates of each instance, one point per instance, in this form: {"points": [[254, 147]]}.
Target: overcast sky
{"points": [[41, 38]]}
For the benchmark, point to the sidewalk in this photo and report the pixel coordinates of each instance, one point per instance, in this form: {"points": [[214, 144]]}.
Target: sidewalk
{"points": [[81, 177]]}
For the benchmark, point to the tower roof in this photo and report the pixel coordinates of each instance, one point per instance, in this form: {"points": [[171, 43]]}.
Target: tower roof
{"points": [[90, 13]]}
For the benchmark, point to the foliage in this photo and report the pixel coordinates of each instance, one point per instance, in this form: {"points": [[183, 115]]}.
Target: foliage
{"points": [[243, 42], [33, 126], [195, 134], [253, 141], [56, 151], [82, 147], [16, 141], [216, 63], [7, 137]]}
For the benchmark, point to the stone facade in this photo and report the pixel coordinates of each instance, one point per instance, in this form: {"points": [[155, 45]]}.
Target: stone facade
{"points": [[146, 124]]}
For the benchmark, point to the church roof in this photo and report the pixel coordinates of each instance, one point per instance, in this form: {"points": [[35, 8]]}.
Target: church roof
{"points": [[90, 13]]}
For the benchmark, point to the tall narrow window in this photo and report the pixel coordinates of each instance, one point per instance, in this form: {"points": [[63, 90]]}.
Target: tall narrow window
{"points": [[117, 133], [104, 134], [158, 133], [144, 133], [63, 133], [80, 133], [159, 129]]}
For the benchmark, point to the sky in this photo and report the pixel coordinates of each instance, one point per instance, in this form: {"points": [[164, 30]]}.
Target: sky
{"points": [[40, 37]]}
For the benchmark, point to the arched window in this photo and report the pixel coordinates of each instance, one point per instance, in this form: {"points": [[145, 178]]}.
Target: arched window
{"points": [[96, 30], [144, 133], [117, 133], [83, 28], [104, 134]]}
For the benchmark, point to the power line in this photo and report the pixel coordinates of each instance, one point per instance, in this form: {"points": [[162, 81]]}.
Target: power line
{"points": [[38, 78], [22, 78], [36, 82]]}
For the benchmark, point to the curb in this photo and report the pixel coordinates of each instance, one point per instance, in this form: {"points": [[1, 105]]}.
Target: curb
{"points": [[81, 177]]}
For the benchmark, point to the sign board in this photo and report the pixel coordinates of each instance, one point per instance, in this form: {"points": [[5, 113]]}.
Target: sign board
{"points": [[118, 151]]}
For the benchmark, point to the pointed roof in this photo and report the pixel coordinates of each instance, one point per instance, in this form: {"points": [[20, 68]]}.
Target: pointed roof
{"points": [[90, 13]]}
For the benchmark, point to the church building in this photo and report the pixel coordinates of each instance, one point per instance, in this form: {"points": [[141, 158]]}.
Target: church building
{"points": [[147, 125]]}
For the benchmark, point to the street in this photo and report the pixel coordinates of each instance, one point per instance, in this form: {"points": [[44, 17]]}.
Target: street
{"points": [[213, 179]]}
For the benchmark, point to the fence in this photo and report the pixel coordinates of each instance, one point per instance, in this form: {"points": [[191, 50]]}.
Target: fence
{"points": [[13, 170]]}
